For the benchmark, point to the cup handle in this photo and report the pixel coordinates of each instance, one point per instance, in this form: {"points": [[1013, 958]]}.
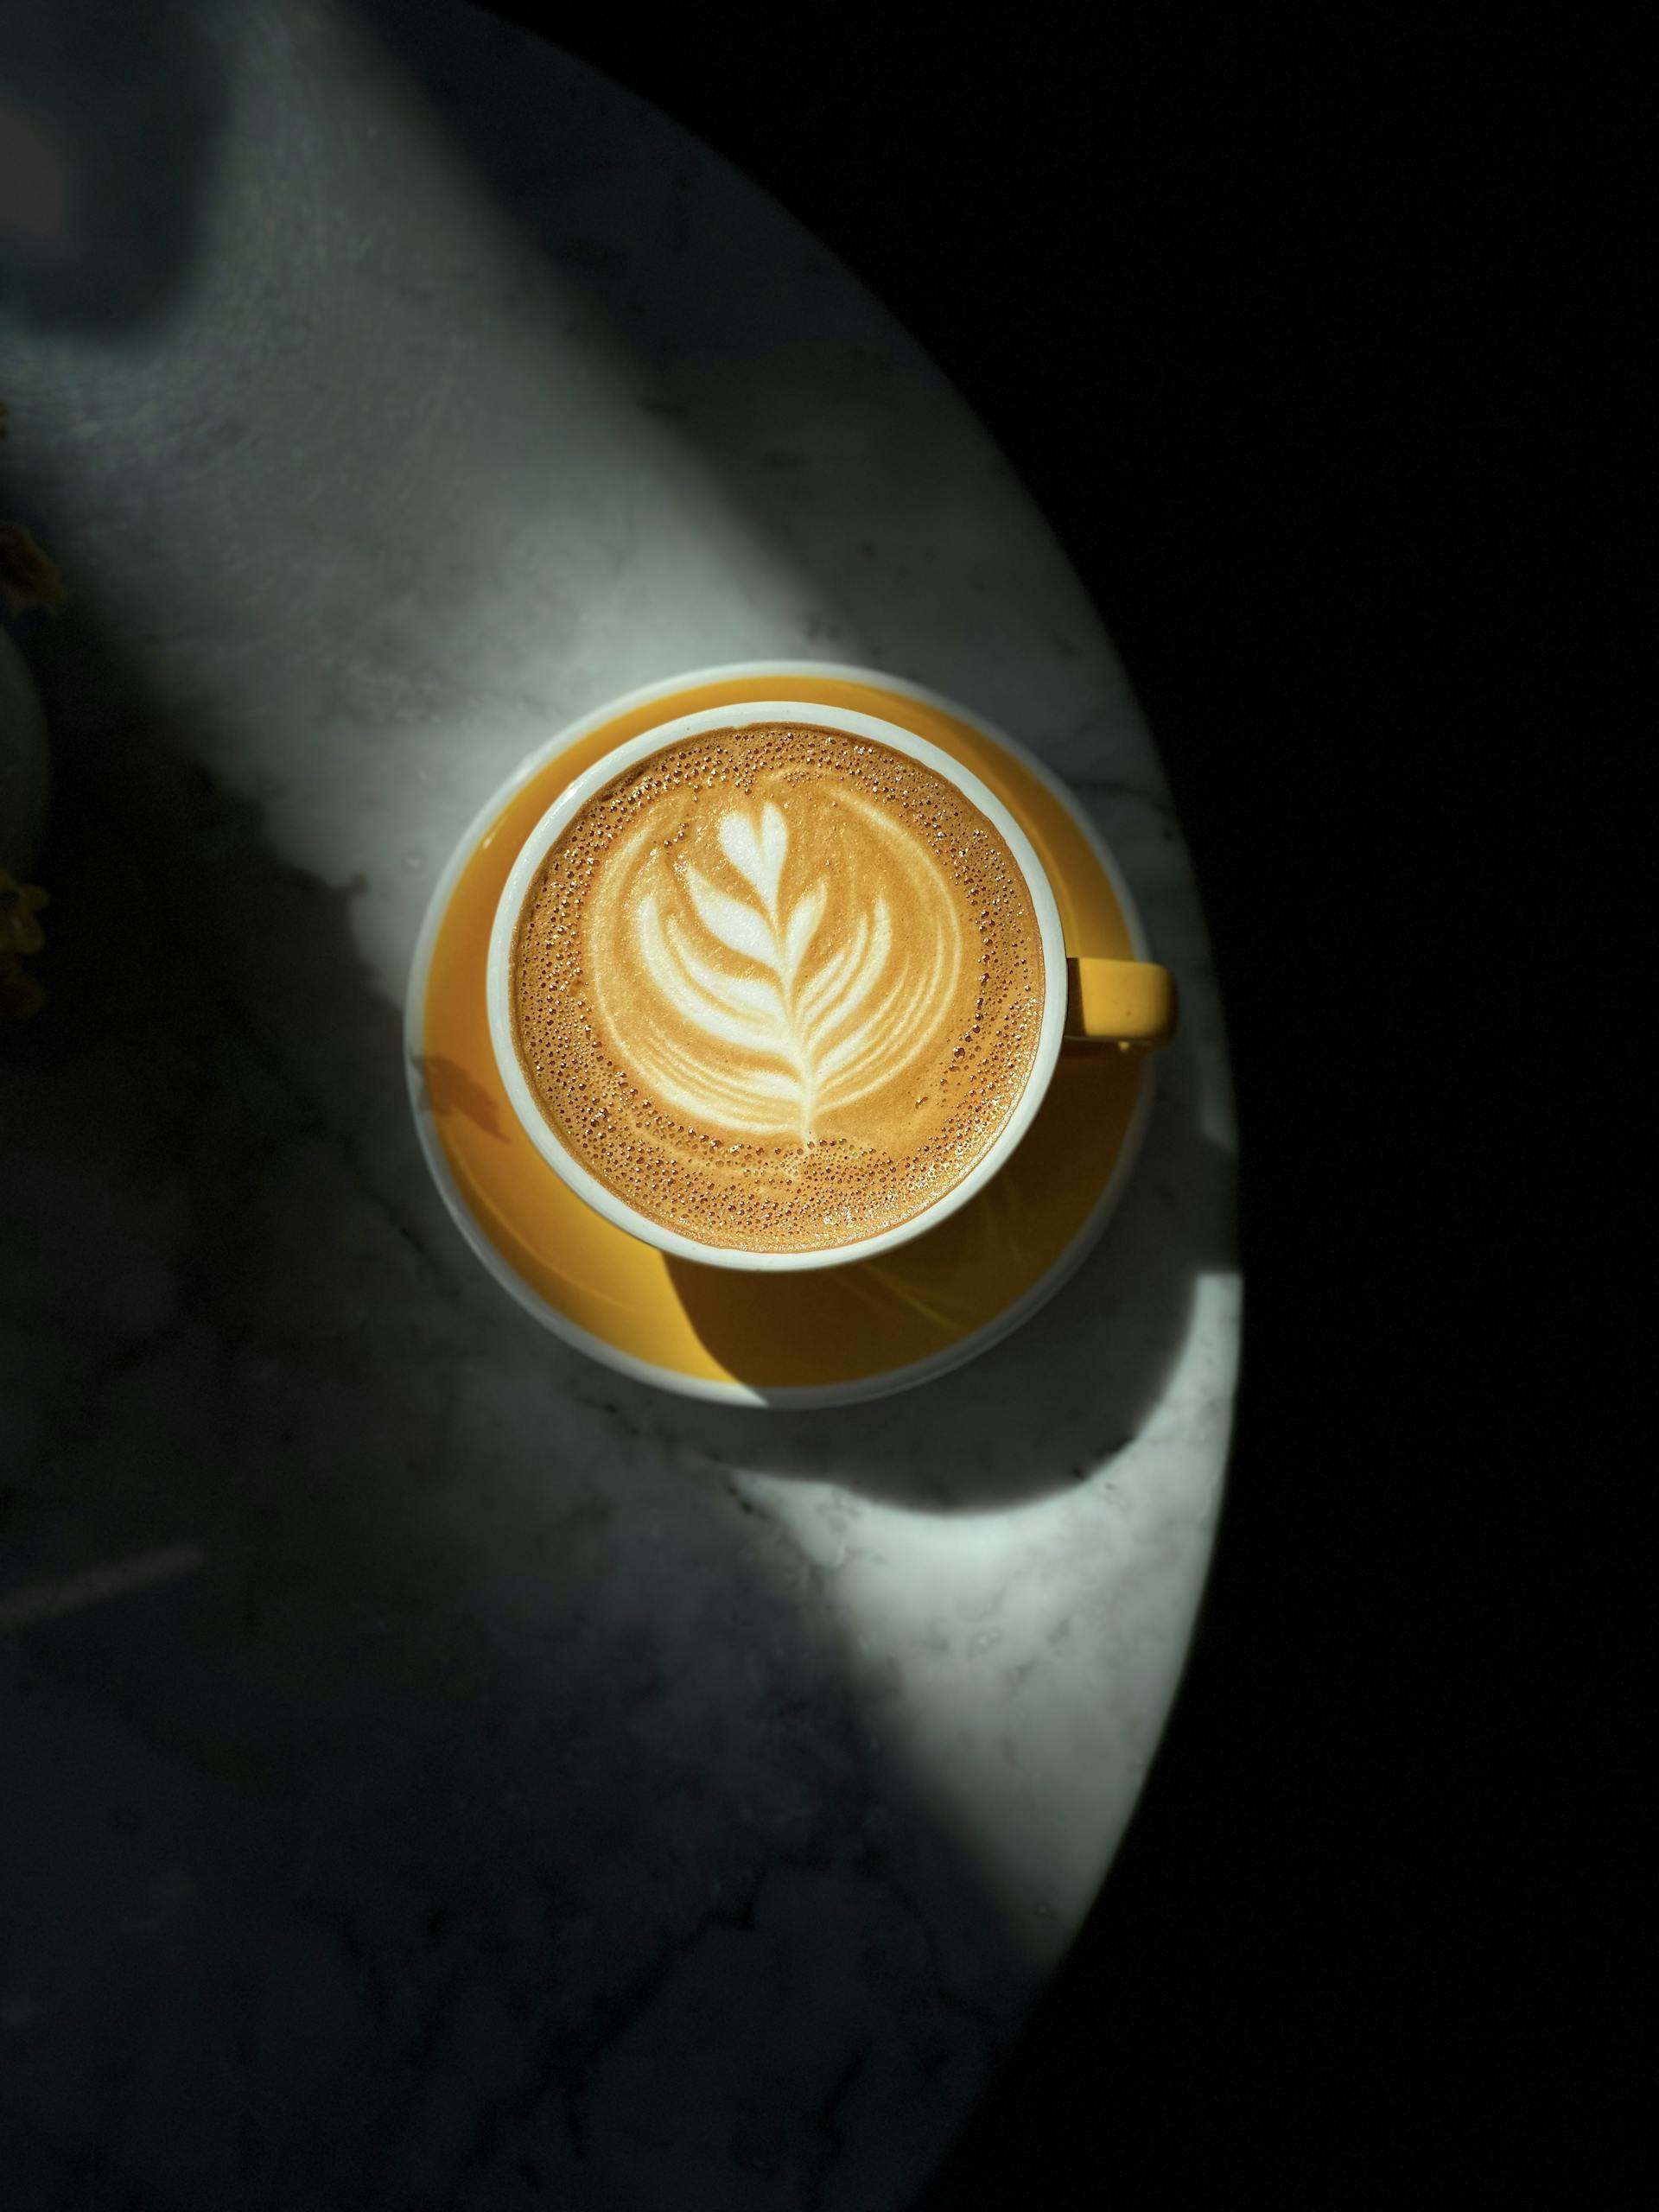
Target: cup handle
{"points": [[1128, 1003]]}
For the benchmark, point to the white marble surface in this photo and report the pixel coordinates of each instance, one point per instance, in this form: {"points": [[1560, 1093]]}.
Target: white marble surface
{"points": [[437, 1772]]}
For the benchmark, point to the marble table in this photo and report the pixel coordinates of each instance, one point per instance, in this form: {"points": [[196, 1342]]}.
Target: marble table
{"points": [[434, 1770]]}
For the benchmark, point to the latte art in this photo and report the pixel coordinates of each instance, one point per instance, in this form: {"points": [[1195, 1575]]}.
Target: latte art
{"points": [[769, 1016], [777, 988]]}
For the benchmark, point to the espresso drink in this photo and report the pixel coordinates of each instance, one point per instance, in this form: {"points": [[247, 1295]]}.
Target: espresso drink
{"points": [[779, 988]]}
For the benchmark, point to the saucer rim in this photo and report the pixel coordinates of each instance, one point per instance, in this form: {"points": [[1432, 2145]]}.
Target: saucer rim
{"points": [[857, 1389]]}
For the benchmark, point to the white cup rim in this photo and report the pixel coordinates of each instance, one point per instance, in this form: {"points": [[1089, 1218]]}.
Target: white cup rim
{"points": [[741, 716]]}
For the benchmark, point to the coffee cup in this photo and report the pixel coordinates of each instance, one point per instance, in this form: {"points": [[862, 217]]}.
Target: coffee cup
{"points": [[1124, 1005]]}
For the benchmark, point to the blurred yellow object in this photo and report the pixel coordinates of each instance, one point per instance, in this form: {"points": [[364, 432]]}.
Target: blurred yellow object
{"points": [[29, 575], [19, 904], [21, 994]]}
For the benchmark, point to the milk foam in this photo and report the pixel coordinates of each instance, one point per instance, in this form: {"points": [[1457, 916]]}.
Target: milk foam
{"points": [[779, 987]]}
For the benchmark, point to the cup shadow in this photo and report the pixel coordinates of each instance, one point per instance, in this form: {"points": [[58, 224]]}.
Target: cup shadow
{"points": [[451, 1089], [1075, 1382]]}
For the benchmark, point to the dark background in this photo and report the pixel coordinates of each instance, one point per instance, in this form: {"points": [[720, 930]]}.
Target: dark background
{"points": [[1311, 331], [1305, 329]]}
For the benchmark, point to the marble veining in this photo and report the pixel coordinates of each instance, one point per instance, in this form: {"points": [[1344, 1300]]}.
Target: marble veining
{"points": [[437, 1772]]}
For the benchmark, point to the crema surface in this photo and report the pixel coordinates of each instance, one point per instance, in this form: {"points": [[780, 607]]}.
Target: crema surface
{"points": [[779, 988]]}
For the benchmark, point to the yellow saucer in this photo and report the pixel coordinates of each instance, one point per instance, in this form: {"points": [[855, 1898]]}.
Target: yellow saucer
{"points": [[858, 1331]]}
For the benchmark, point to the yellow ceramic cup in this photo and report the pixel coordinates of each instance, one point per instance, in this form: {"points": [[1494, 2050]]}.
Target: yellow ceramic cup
{"points": [[1128, 1003]]}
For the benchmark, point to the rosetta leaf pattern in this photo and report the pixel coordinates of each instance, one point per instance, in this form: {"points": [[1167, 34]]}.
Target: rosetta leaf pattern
{"points": [[771, 1025]]}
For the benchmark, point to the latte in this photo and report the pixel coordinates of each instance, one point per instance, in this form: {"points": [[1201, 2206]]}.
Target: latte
{"points": [[779, 988]]}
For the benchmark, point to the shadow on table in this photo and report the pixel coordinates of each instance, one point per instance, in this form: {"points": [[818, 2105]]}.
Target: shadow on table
{"points": [[1050, 1405], [438, 1790], [110, 117]]}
